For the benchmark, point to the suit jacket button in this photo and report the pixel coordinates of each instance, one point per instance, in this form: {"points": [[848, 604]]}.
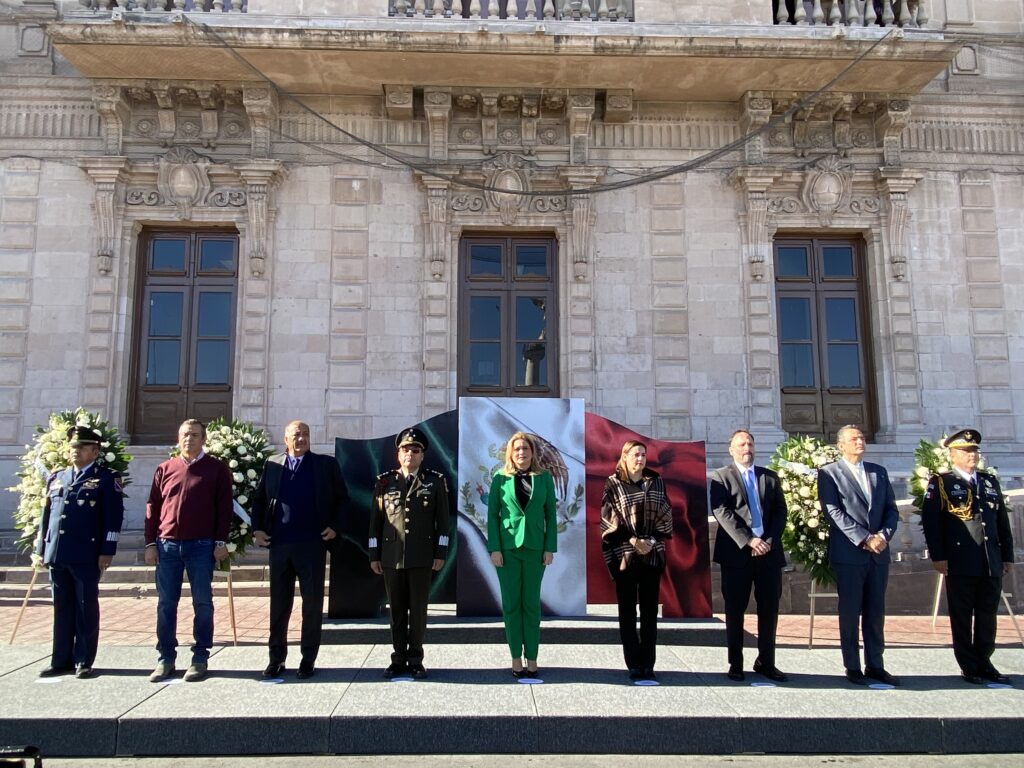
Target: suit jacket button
{"points": [[62, 530], [986, 538], [63, 517], [407, 519], [982, 523]]}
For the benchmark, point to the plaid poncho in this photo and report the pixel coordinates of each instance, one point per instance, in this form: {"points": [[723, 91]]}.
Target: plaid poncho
{"points": [[632, 509]]}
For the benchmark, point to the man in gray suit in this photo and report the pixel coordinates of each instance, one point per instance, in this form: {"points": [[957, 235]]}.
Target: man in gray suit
{"points": [[859, 501]]}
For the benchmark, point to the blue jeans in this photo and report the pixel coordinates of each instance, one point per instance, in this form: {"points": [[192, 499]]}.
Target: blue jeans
{"points": [[176, 558]]}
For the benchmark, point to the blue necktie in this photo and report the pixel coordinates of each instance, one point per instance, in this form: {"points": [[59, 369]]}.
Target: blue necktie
{"points": [[756, 522]]}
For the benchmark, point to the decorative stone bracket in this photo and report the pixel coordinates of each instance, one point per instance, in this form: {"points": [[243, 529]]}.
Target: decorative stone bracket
{"points": [[437, 222], [107, 174], [897, 182], [756, 112], [754, 183], [112, 107], [581, 216], [260, 176], [261, 105]]}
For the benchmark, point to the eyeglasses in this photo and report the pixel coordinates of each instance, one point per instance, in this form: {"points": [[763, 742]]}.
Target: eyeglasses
{"points": [[411, 449]]}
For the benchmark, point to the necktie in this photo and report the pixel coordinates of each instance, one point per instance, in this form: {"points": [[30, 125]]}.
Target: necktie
{"points": [[753, 503], [408, 481]]}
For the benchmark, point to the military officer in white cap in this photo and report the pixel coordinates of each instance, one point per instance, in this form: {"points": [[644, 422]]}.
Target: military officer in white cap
{"points": [[409, 532], [967, 528], [77, 540]]}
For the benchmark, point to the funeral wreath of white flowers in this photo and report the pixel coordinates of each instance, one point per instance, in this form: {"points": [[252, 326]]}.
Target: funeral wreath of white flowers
{"points": [[244, 448], [805, 537], [50, 452]]}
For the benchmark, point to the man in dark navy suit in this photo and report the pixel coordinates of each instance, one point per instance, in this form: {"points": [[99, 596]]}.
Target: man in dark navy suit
{"points": [[77, 540], [859, 501], [967, 527], [750, 508]]}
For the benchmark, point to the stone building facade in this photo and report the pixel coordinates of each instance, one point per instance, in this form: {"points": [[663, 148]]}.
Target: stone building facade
{"points": [[693, 216]]}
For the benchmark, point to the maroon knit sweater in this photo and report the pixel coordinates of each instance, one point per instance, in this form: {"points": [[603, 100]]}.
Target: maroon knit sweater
{"points": [[189, 501]]}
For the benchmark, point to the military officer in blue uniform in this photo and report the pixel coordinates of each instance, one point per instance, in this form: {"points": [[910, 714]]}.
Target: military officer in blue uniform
{"points": [[967, 528], [77, 540], [408, 542]]}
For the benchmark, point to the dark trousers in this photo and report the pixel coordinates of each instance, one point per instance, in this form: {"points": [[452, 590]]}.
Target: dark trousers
{"points": [[973, 600], [408, 594], [76, 614], [305, 561], [766, 580], [638, 586], [861, 591]]}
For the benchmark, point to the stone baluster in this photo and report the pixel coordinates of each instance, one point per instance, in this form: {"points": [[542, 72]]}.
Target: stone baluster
{"points": [[474, 9], [905, 19], [511, 9], [922, 13], [179, 5], [141, 6], [888, 17], [235, 6], [799, 13], [531, 9], [782, 17], [852, 13], [602, 10], [870, 17], [623, 10], [419, 8], [400, 7], [492, 9], [218, 6], [437, 9], [549, 9], [817, 15], [585, 10], [834, 16], [456, 9]]}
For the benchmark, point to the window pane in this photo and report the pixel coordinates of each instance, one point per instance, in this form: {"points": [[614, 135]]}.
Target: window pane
{"points": [[212, 362], [214, 314], [792, 262], [217, 256], [843, 365], [485, 364], [168, 256], [530, 317], [485, 260], [795, 319], [165, 314], [531, 261], [162, 360], [838, 261], [485, 317], [841, 319], [797, 365], [531, 364]]}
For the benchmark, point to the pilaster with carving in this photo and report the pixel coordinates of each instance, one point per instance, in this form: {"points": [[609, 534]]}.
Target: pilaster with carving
{"points": [[890, 121], [897, 183], [437, 223], [756, 112], [753, 184], [580, 113], [581, 217], [260, 103], [437, 106], [108, 175], [260, 177], [112, 107]]}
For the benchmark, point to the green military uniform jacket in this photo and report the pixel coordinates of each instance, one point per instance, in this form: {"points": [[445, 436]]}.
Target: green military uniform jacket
{"points": [[409, 527], [509, 526], [977, 541]]}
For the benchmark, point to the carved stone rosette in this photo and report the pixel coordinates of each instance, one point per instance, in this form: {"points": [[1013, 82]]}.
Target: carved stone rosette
{"points": [[260, 177], [107, 173]]}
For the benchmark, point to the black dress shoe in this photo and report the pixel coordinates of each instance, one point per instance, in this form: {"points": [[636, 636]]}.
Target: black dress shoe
{"points": [[533, 673], [856, 677], [417, 671], [636, 674], [649, 675], [771, 672], [881, 676], [273, 670], [395, 670], [82, 672], [736, 673], [305, 671], [969, 677], [995, 676], [56, 671]]}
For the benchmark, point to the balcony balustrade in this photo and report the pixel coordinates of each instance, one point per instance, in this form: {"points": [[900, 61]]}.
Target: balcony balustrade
{"points": [[190, 6], [852, 13], [552, 10]]}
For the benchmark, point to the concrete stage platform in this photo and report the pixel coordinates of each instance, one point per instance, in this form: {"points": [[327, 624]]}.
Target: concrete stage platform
{"points": [[472, 705]]}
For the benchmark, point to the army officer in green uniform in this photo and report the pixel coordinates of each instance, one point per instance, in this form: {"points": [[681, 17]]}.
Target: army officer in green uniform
{"points": [[967, 529], [408, 542]]}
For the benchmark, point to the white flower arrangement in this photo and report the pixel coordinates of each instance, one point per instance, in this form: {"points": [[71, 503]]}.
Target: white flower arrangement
{"points": [[49, 453], [805, 536], [244, 448]]}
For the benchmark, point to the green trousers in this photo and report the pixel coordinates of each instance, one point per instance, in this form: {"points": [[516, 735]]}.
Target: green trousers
{"points": [[520, 578]]}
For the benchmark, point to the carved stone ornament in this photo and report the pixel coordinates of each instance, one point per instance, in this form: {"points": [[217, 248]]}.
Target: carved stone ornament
{"points": [[827, 189], [183, 179], [507, 172]]}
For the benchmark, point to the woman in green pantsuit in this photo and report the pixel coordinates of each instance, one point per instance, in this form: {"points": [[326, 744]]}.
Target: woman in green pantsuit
{"points": [[522, 540]]}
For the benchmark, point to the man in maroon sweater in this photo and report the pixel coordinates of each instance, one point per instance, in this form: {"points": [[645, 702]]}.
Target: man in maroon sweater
{"points": [[188, 517]]}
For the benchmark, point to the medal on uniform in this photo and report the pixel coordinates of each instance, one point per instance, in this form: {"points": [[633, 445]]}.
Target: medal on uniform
{"points": [[81, 502], [92, 503]]}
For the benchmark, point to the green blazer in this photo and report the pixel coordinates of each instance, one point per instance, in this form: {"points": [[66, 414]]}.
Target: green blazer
{"points": [[509, 526]]}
